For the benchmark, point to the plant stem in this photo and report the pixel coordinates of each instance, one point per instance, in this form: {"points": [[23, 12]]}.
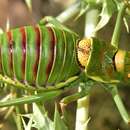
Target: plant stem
{"points": [[117, 29], [91, 22], [83, 103], [17, 112], [18, 119], [120, 105], [82, 113], [69, 13]]}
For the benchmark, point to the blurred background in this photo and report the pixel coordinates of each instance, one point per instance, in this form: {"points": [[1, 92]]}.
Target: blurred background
{"points": [[103, 112]]}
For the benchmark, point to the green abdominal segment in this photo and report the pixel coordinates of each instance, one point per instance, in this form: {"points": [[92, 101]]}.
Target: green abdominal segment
{"points": [[38, 55]]}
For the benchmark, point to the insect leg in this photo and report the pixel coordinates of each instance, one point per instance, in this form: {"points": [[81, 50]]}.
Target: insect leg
{"points": [[31, 98], [15, 83], [119, 104], [51, 21], [74, 97], [85, 90], [43, 95]]}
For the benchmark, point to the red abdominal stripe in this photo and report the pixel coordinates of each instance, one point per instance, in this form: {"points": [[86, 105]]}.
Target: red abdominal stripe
{"points": [[24, 40], [10, 44], [52, 46], [37, 41]]}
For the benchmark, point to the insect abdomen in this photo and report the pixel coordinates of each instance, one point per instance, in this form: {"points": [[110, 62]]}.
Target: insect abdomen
{"points": [[38, 55]]}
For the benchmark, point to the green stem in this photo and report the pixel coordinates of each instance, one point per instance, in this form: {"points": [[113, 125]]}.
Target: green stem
{"points": [[117, 29], [83, 103], [91, 22], [18, 119], [82, 113], [120, 105], [17, 111], [69, 12]]}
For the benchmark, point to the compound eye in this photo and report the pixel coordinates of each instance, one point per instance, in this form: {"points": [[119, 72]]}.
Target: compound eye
{"points": [[83, 51]]}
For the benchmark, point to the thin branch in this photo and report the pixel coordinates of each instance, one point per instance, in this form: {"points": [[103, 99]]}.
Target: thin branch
{"points": [[69, 12], [117, 30]]}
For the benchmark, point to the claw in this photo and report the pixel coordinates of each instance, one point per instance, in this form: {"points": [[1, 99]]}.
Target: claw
{"points": [[62, 106]]}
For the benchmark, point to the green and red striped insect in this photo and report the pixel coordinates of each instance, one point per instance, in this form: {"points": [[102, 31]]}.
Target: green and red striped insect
{"points": [[38, 55], [46, 54], [50, 54]]}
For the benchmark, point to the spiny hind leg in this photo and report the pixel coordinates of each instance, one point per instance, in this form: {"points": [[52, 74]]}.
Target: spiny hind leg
{"points": [[15, 83], [37, 94]]}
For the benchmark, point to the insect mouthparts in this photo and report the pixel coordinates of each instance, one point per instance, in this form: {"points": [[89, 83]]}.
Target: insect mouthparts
{"points": [[83, 51]]}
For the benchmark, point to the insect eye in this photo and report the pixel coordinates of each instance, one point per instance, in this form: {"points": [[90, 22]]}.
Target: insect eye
{"points": [[83, 51]]}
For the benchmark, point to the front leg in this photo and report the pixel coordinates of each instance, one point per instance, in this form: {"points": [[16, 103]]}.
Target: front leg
{"points": [[51, 21], [85, 90]]}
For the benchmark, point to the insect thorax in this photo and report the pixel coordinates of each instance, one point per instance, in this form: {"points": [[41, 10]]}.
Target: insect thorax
{"points": [[102, 62]]}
